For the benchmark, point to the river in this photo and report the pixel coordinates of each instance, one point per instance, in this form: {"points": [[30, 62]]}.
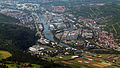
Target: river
{"points": [[47, 32]]}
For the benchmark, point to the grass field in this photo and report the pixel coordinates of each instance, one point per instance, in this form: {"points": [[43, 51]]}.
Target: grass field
{"points": [[4, 54], [16, 66]]}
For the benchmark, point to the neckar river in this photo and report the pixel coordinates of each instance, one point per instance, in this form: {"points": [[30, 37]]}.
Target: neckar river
{"points": [[47, 32]]}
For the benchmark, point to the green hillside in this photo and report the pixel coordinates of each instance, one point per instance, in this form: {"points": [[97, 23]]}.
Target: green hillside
{"points": [[7, 19], [16, 40], [78, 2], [109, 10], [95, 11]]}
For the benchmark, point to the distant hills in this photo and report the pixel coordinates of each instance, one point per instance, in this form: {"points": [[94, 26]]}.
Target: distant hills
{"points": [[65, 0]]}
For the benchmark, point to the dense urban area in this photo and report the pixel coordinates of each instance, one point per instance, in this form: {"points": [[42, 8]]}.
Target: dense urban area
{"points": [[59, 34]]}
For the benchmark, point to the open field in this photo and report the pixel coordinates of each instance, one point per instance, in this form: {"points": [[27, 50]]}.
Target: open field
{"points": [[90, 60], [4, 54], [20, 66]]}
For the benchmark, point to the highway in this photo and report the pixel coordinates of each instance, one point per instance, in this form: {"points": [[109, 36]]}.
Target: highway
{"points": [[36, 19]]}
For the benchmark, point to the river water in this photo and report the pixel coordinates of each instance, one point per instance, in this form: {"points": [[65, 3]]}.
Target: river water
{"points": [[47, 32]]}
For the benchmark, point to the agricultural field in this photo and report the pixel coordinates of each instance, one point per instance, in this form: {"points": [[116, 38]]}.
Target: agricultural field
{"points": [[4, 54], [21, 66], [89, 60], [9, 64], [58, 58]]}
